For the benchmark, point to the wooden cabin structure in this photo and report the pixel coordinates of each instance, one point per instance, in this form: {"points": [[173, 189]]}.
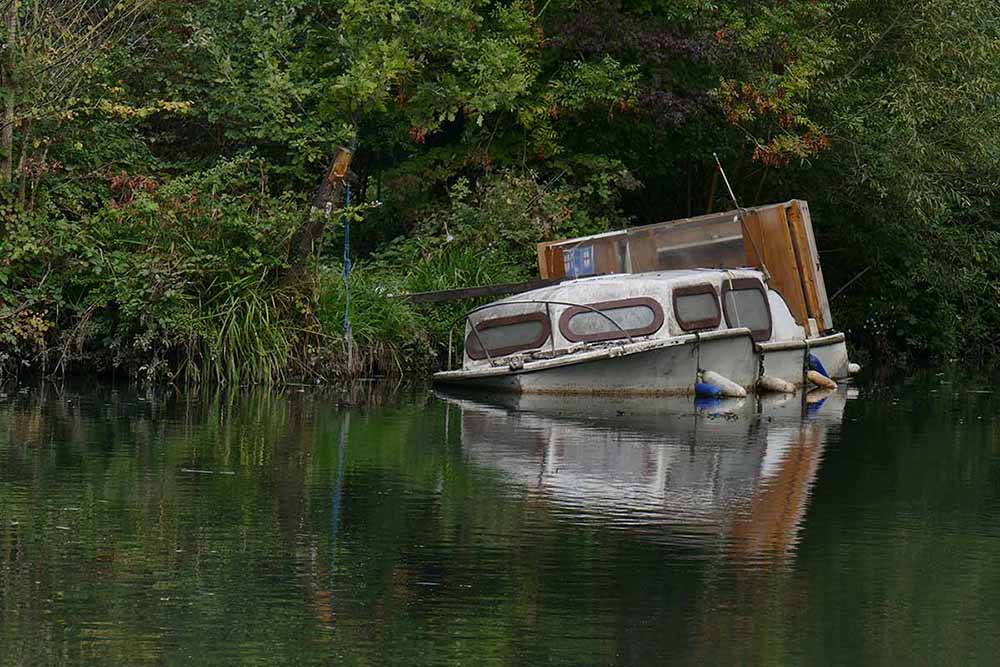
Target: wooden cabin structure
{"points": [[777, 239]]}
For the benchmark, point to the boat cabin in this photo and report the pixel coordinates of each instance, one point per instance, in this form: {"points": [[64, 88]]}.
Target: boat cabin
{"points": [[610, 310], [730, 302]]}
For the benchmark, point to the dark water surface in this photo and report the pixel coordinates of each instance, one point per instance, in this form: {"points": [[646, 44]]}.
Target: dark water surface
{"points": [[399, 527]]}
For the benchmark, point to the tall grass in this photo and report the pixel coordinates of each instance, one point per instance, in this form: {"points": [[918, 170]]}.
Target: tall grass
{"points": [[387, 336], [246, 337], [454, 268], [460, 266]]}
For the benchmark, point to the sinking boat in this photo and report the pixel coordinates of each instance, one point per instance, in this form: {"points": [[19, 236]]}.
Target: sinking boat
{"points": [[722, 304]]}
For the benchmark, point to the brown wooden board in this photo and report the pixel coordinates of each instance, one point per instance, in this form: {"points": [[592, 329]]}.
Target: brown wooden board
{"points": [[802, 256], [766, 230], [541, 250], [801, 221]]}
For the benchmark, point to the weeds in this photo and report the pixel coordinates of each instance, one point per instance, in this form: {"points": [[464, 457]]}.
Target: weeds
{"points": [[387, 335]]}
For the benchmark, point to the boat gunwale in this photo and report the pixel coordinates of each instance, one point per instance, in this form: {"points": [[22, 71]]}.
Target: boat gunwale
{"points": [[523, 366], [801, 343], [504, 367]]}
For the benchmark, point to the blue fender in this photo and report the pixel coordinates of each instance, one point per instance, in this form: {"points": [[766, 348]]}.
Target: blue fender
{"points": [[703, 403], [705, 390], [817, 365]]}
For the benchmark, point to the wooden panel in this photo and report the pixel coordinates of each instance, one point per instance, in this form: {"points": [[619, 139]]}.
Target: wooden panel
{"points": [[806, 273], [557, 264], [769, 231], [543, 264], [554, 262], [606, 255], [799, 217], [790, 282]]}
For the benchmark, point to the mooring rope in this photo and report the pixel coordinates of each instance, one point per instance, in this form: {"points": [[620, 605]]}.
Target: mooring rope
{"points": [[348, 338], [347, 263]]}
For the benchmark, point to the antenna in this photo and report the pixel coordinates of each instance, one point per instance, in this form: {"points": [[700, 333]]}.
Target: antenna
{"points": [[739, 215]]}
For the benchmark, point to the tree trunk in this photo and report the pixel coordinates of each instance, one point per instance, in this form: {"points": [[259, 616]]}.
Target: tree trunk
{"points": [[7, 135], [711, 191], [308, 238]]}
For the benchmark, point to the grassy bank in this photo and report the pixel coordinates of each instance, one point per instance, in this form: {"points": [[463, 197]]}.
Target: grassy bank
{"points": [[185, 282]]}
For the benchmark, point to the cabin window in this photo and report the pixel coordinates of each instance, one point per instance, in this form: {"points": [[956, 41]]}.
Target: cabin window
{"points": [[697, 307], [507, 335], [640, 316], [745, 305]]}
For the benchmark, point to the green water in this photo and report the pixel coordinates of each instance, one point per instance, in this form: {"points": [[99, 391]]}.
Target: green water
{"points": [[397, 527]]}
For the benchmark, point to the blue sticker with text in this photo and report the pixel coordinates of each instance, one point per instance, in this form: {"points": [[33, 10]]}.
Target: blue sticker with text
{"points": [[579, 261]]}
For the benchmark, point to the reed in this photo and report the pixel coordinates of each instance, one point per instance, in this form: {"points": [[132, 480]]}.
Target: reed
{"points": [[387, 335], [246, 336]]}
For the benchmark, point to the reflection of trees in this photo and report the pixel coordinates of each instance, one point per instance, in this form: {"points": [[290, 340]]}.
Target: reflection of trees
{"points": [[99, 511], [188, 559]]}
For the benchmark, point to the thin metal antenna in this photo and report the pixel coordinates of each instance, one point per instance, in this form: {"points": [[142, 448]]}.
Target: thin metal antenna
{"points": [[725, 179], [739, 214]]}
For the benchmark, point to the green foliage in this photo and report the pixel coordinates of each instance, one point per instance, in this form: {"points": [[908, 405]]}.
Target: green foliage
{"points": [[909, 185], [388, 336], [181, 277], [503, 216], [163, 153]]}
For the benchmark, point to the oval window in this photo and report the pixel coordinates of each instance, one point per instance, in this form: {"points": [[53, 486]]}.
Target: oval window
{"points": [[639, 316], [506, 335]]}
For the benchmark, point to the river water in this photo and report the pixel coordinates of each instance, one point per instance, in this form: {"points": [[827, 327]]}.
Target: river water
{"points": [[387, 526]]}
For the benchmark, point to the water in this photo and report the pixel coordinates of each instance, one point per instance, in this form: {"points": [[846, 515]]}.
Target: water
{"points": [[399, 527]]}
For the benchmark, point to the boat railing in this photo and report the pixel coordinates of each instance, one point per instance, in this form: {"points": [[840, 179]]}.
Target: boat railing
{"points": [[548, 303]]}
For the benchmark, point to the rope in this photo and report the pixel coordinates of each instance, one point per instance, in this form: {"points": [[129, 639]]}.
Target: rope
{"points": [[347, 264]]}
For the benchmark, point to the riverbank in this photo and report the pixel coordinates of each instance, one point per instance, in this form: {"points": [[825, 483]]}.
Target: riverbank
{"points": [[260, 335], [176, 178]]}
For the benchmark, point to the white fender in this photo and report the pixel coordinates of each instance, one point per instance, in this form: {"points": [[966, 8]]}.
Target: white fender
{"points": [[820, 380], [819, 394], [728, 387], [853, 369], [775, 385]]}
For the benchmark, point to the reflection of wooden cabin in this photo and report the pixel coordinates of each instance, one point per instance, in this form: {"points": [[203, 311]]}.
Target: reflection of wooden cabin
{"points": [[664, 471], [782, 234], [770, 524]]}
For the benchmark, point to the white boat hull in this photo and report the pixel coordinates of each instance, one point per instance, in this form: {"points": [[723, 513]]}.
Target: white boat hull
{"points": [[662, 367]]}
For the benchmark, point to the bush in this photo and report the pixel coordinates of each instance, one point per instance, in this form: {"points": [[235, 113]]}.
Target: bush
{"points": [[168, 282]]}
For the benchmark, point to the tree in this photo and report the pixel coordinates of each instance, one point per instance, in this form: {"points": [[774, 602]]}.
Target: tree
{"points": [[53, 54]]}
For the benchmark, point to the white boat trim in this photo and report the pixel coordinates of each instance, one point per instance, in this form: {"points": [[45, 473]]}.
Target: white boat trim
{"points": [[801, 343], [520, 365]]}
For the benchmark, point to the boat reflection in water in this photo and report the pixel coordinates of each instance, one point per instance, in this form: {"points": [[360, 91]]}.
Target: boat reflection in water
{"points": [[731, 476]]}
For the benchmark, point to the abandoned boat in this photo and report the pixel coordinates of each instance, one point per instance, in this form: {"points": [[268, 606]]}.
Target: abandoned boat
{"points": [[721, 305]]}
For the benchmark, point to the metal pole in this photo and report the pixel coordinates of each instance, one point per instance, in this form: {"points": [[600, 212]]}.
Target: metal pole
{"points": [[739, 215]]}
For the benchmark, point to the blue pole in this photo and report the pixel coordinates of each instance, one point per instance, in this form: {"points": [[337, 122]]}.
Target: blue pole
{"points": [[345, 426], [347, 265]]}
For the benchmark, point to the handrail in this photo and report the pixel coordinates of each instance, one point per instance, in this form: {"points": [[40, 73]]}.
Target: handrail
{"points": [[546, 302], [479, 340]]}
